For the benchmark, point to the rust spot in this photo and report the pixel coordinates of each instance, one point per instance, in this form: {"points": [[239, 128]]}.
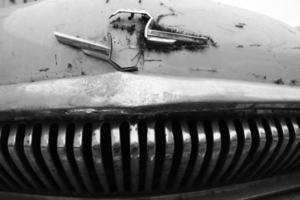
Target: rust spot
{"points": [[255, 45], [153, 60], [55, 57], [198, 69], [240, 25], [259, 76], [279, 81], [69, 66], [44, 70], [293, 82]]}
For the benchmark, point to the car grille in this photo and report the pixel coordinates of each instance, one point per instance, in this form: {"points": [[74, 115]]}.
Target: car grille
{"points": [[144, 156]]}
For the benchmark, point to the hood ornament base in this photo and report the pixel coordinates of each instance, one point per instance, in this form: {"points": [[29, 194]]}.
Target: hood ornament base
{"points": [[90, 48]]}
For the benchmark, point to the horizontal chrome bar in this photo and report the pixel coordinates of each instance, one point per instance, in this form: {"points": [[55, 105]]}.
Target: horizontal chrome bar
{"points": [[132, 92]]}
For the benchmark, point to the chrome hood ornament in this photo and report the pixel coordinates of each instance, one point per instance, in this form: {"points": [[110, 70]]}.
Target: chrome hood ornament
{"points": [[97, 50], [151, 33]]}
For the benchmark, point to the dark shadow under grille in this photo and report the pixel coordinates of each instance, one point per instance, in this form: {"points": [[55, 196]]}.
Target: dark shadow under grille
{"points": [[145, 157]]}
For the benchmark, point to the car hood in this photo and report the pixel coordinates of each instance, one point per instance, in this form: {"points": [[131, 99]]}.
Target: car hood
{"points": [[250, 47]]}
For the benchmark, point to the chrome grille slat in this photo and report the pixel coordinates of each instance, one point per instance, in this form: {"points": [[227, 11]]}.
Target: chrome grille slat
{"points": [[288, 141], [168, 157], [248, 143], [29, 153], [186, 153], [134, 157], [79, 158], [216, 145], [151, 150], [201, 152], [63, 157], [257, 131], [278, 141], [144, 156], [117, 157], [295, 147], [8, 169], [273, 140], [233, 147], [97, 157], [297, 152], [47, 157], [12, 149]]}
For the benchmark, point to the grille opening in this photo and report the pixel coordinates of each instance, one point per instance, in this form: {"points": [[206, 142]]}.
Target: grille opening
{"points": [[142, 129], [194, 152], [225, 142], [53, 133], [88, 157], [125, 151], [107, 155], [70, 153], [4, 150], [177, 132], [19, 147], [160, 141], [209, 138]]}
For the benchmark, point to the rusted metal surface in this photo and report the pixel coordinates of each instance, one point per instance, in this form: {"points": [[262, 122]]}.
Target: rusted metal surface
{"points": [[264, 50]]}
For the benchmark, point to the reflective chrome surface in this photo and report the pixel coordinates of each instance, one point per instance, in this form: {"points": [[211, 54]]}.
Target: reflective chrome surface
{"points": [[145, 156]]}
